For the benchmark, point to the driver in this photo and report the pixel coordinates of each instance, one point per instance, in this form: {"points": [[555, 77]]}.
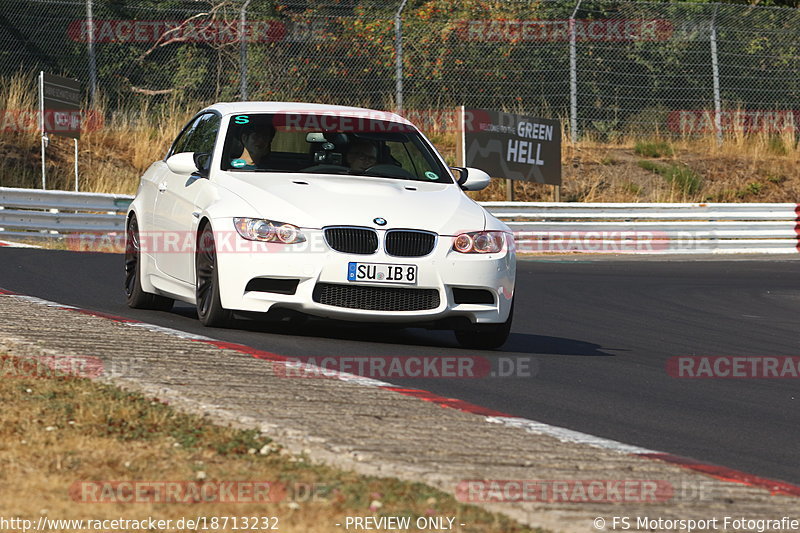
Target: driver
{"points": [[257, 142], [361, 155]]}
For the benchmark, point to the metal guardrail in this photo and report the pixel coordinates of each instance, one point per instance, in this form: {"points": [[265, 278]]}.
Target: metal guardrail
{"points": [[539, 227], [651, 227], [35, 214]]}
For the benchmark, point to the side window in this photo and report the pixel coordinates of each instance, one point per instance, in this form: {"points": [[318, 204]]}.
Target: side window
{"points": [[199, 136], [204, 134], [185, 137], [411, 159], [399, 153]]}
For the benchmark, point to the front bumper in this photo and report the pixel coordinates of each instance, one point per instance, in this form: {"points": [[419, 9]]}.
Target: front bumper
{"points": [[314, 262]]}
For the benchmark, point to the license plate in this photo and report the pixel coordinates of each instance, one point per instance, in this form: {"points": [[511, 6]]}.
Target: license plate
{"points": [[382, 273]]}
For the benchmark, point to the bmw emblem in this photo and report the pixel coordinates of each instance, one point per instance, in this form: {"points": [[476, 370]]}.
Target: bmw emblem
{"points": [[380, 221]]}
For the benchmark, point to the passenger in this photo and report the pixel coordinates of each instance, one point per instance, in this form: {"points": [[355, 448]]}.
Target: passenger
{"points": [[362, 155]]}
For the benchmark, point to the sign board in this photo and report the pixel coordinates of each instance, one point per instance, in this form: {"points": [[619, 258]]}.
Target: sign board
{"points": [[511, 146], [61, 105]]}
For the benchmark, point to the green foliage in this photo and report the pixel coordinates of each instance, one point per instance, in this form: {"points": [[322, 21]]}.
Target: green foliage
{"points": [[192, 68], [241, 443], [683, 178], [652, 167], [608, 129], [632, 188], [653, 149], [777, 145], [454, 53], [752, 189]]}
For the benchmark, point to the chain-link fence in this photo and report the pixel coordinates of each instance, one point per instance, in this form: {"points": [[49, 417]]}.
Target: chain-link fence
{"points": [[606, 67]]}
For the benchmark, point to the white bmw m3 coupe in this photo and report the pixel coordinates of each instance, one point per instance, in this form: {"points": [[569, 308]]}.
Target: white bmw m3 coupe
{"points": [[289, 210]]}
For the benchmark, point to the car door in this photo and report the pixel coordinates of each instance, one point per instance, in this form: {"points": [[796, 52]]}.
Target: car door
{"points": [[159, 178], [179, 198]]}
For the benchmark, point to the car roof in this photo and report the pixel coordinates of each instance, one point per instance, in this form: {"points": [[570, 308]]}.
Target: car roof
{"points": [[231, 108]]}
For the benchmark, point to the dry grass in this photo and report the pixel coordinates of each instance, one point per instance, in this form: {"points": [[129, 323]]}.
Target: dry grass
{"points": [[115, 155], [56, 431], [112, 156], [745, 168]]}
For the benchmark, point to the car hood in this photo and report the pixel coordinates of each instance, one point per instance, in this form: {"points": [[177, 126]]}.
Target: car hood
{"points": [[316, 201]]}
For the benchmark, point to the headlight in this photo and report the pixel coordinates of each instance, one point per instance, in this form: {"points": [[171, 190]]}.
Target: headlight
{"points": [[480, 242], [258, 229]]}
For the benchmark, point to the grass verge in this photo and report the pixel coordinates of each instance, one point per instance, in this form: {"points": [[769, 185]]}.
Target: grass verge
{"points": [[59, 431], [684, 179], [653, 149]]}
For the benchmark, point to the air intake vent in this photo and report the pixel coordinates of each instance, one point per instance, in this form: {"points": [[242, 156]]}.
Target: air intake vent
{"points": [[408, 243], [472, 296], [352, 240], [276, 285], [376, 298]]}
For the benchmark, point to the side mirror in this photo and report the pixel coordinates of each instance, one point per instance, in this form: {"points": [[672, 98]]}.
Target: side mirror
{"points": [[183, 163], [472, 179], [202, 161]]}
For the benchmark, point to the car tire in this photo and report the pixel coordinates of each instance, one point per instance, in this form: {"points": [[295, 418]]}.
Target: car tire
{"points": [[135, 296], [486, 336], [209, 306]]}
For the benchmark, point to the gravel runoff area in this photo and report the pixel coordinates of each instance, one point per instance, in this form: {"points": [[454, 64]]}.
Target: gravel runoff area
{"points": [[375, 431]]}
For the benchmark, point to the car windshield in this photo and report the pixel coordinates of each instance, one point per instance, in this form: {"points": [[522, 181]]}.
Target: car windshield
{"points": [[329, 144]]}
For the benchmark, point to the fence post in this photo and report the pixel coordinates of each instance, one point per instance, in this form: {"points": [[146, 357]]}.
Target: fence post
{"points": [[76, 166], [92, 58], [43, 134], [573, 77], [715, 73], [398, 52], [243, 51]]}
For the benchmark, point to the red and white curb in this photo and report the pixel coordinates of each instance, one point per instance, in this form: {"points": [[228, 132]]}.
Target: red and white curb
{"points": [[722, 473], [9, 244]]}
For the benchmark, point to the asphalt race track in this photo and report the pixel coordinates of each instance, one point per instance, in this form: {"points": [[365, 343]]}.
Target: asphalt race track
{"points": [[602, 332]]}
